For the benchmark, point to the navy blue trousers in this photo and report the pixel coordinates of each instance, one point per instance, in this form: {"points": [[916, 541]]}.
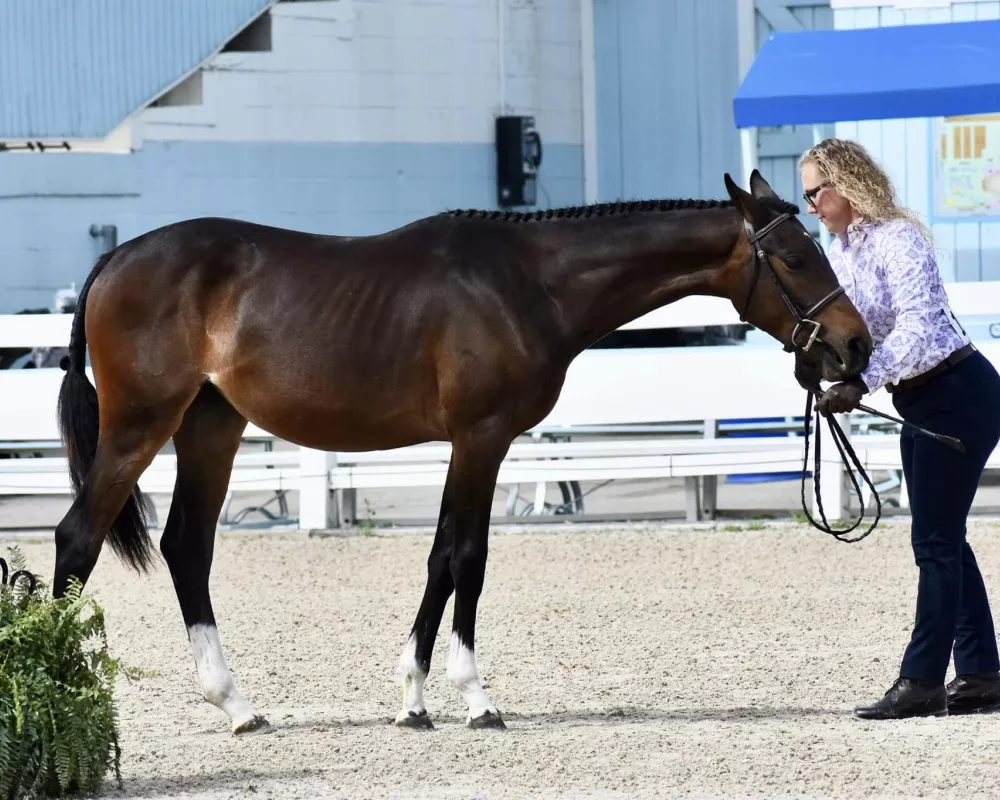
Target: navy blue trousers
{"points": [[952, 606]]}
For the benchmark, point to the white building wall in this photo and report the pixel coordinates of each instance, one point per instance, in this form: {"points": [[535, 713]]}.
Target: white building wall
{"points": [[392, 71]]}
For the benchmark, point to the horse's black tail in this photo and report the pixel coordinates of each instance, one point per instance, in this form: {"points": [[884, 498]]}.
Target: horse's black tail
{"points": [[78, 424]]}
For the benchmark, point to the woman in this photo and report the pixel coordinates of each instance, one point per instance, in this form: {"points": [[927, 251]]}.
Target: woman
{"points": [[923, 357]]}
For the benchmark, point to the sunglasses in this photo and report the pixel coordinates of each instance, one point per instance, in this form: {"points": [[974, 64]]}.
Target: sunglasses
{"points": [[810, 196]]}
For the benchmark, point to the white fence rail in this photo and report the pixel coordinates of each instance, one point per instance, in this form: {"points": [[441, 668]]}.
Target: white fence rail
{"points": [[609, 388]]}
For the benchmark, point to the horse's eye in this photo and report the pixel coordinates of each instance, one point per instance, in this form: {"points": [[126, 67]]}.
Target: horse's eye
{"points": [[792, 262]]}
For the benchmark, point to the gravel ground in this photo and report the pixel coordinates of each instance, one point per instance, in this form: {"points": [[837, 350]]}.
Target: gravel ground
{"points": [[631, 662]]}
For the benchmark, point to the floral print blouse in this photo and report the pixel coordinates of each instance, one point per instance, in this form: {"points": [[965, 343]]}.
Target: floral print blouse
{"points": [[889, 272]]}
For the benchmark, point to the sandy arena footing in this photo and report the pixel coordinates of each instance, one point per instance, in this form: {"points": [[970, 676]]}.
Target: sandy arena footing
{"points": [[638, 662]]}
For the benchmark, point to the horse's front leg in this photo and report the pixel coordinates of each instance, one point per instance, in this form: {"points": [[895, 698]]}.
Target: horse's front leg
{"points": [[476, 459]]}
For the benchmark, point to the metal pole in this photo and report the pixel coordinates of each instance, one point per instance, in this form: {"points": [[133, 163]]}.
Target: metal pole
{"points": [[748, 146], [746, 11], [588, 72]]}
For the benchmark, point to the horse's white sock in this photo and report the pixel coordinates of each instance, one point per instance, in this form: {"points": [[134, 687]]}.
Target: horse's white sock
{"points": [[412, 677], [462, 672], [217, 685]]}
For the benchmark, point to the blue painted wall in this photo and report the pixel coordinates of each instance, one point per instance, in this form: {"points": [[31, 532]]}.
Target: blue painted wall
{"points": [[666, 73], [49, 201]]}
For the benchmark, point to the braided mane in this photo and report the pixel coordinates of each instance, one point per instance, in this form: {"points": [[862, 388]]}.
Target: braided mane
{"points": [[608, 210], [596, 210]]}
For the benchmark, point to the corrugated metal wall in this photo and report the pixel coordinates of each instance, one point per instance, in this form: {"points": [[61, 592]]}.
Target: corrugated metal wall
{"points": [[77, 68], [666, 74], [667, 71], [781, 147]]}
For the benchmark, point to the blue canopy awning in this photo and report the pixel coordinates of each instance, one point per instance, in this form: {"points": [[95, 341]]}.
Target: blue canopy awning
{"points": [[812, 77]]}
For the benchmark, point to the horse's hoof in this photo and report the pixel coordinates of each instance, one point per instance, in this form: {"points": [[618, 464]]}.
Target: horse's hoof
{"points": [[256, 725], [490, 721], [414, 721]]}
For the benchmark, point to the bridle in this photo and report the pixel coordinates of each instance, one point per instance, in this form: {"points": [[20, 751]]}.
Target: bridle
{"points": [[804, 319]]}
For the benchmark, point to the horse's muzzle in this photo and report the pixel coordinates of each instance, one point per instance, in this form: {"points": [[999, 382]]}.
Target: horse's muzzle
{"points": [[845, 360], [859, 352]]}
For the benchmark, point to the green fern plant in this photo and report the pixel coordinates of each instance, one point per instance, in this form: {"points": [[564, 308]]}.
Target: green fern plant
{"points": [[58, 720]]}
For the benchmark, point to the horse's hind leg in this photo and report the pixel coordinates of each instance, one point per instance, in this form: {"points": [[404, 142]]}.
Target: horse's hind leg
{"points": [[206, 444], [415, 662], [131, 434]]}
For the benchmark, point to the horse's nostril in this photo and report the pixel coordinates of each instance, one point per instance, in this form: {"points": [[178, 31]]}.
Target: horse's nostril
{"points": [[859, 348]]}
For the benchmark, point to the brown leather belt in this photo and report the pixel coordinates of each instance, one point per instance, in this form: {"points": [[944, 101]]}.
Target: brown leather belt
{"points": [[951, 361]]}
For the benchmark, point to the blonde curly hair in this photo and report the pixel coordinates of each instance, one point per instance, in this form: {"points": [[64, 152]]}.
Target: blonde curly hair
{"points": [[853, 173]]}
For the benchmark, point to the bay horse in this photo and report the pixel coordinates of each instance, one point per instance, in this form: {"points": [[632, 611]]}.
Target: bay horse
{"points": [[458, 327]]}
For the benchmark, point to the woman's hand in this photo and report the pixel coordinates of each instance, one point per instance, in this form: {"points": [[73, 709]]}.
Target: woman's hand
{"points": [[841, 397]]}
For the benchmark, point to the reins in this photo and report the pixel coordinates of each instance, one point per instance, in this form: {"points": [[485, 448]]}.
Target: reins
{"points": [[805, 321], [846, 450], [842, 442]]}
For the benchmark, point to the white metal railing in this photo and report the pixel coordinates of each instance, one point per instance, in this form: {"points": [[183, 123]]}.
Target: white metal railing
{"points": [[682, 390]]}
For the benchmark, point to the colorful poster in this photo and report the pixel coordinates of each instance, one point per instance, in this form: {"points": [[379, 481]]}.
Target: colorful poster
{"points": [[967, 166]]}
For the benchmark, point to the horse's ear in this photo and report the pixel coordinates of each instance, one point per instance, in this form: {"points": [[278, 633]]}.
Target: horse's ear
{"points": [[745, 202], [760, 188]]}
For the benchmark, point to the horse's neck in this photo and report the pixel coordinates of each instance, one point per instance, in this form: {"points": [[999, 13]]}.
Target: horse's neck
{"points": [[610, 271]]}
